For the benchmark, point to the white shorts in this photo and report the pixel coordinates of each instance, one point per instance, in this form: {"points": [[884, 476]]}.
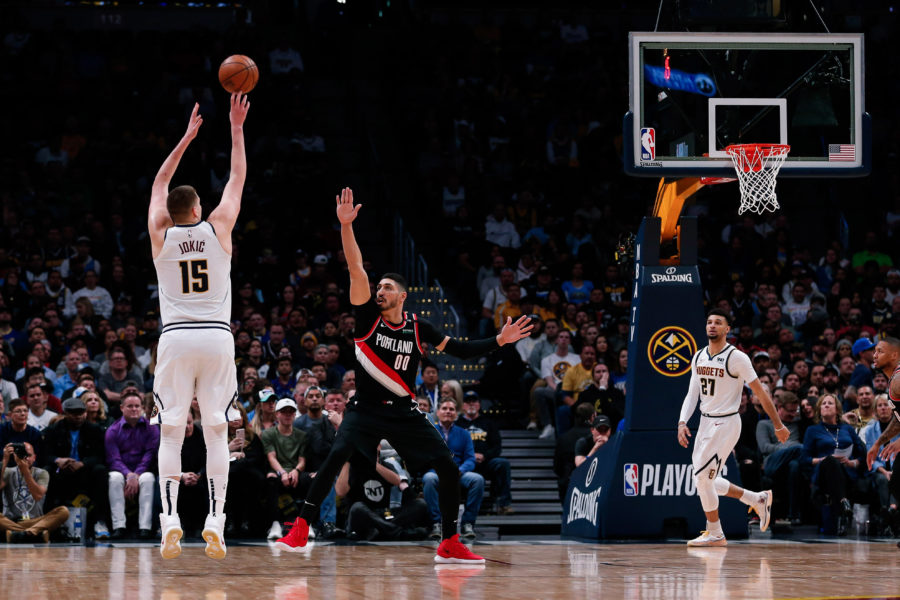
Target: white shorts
{"points": [[714, 441], [192, 362]]}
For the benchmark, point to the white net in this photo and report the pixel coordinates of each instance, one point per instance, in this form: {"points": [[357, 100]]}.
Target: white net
{"points": [[757, 167]]}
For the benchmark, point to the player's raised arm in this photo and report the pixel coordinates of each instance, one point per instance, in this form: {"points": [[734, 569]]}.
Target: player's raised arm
{"points": [[511, 333], [359, 280], [226, 213], [158, 219]]}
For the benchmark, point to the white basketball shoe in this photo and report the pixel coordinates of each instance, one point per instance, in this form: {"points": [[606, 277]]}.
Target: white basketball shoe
{"points": [[170, 546], [763, 508], [708, 539], [214, 536]]}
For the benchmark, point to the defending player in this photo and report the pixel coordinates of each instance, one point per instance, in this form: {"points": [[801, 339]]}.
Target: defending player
{"points": [[389, 349], [887, 360], [718, 374], [196, 350]]}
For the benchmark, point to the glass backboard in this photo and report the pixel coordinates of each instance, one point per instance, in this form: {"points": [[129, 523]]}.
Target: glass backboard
{"points": [[693, 94]]}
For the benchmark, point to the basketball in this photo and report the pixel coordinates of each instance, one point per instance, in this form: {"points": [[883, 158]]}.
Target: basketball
{"points": [[238, 73]]}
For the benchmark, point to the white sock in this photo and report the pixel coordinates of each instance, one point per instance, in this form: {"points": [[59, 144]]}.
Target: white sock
{"points": [[750, 498], [169, 459], [714, 528], [216, 438]]}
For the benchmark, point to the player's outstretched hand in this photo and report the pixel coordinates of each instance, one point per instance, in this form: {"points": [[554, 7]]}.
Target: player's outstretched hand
{"points": [[889, 451], [872, 454], [683, 434], [240, 104], [513, 332], [346, 212], [782, 434], [194, 123]]}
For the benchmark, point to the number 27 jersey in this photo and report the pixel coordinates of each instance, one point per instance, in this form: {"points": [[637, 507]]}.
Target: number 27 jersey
{"points": [[719, 379], [194, 275]]}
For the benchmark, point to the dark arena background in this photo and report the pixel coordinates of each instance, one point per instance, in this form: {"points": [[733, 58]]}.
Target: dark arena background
{"points": [[511, 158]]}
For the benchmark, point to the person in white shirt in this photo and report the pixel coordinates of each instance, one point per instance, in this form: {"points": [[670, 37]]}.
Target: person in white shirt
{"points": [[38, 415], [100, 298], [718, 374], [553, 370]]}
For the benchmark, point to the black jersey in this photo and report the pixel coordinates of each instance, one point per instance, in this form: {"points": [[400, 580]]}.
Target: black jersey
{"points": [[389, 355]]}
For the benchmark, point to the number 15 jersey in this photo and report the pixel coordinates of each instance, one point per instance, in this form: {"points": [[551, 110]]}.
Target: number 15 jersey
{"points": [[194, 275], [717, 381]]}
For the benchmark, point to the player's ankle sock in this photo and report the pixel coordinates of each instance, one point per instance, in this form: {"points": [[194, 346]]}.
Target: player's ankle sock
{"points": [[309, 512], [750, 498], [714, 528]]}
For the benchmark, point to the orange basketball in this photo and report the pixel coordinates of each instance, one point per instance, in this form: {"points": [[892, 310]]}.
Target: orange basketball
{"points": [[238, 73]]}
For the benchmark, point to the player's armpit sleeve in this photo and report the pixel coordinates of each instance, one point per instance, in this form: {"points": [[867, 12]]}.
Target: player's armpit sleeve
{"points": [[743, 368], [690, 400]]}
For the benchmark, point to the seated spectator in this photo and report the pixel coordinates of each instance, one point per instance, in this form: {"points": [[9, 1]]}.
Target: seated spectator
{"points": [[602, 397], [577, 290], [564, 455], [366, 489], [553, 369], [782, 461], [264, 414], [284, 381], [39, 416], [76, 459], [314, 398], [425, 407], [285, 448], [192, 493], [488, 445], [68, 379], [588, 445], [460, 444], [431, 383], [880, 473], [121, 374], [862, 349], [24, 489], [838, 459], [246, 476], [131, 447], [17, 428], [578, 377], [95, 409], [864, 413], [321, 438]]}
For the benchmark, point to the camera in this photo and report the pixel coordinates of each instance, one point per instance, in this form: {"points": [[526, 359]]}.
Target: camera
{"points": [[19, 449]]}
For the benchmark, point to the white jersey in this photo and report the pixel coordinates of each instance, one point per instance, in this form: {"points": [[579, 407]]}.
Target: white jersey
{"points": [[194, 274], [717, 381]]}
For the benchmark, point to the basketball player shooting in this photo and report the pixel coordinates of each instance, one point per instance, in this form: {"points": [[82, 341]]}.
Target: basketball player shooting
{"points": [[389, 349], [718, 374], [195, 357]]}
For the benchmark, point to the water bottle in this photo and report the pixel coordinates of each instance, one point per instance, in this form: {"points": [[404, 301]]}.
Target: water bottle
{"points": [[79, 526]]}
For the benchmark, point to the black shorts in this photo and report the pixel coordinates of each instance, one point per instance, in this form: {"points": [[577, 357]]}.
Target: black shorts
{"points": [[413, 437]]}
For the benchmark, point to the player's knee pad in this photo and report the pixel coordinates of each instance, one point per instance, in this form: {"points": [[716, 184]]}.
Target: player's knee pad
{"points": [[706, 489], [722, 486]]}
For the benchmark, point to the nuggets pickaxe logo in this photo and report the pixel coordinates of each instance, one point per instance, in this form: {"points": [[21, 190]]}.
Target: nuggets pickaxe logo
{"points": [[670, 351]]}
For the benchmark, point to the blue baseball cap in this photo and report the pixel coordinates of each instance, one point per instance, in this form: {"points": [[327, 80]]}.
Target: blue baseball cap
{"points": [[861, 345]]}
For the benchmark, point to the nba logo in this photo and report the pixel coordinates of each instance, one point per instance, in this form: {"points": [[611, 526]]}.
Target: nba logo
{"points": [[648, 143], [631, 480]]}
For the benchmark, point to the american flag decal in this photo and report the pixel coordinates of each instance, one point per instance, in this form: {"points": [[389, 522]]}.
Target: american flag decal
{"points": [[841, 152]]}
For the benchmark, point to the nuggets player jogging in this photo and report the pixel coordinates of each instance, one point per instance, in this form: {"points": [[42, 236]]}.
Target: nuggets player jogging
{"points": [[389, 349], [887, 360], [196, 350], [718, 375]]}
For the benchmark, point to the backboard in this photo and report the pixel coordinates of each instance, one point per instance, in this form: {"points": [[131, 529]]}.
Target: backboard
{"points": [[693, 94]]}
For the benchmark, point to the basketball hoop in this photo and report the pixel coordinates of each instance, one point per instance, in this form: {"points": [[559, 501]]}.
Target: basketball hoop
{"points": [[757, 166]]}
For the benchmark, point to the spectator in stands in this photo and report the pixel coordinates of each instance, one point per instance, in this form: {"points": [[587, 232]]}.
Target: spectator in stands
{"points": [[881, 471], [17, 428], [460, 444], [39, 416], [577, 290], [264, 414], [495, 297], [246, 476], [95, 408], [285, 449], [131, 444], [24, 488], [192, 494], [588, 445], [838, 459], [68, 379], [348, 381], [553, 370], [76, 460], [314, 398], [577, 379], [98, 296], [284, 381], [782, 461], [431, 385], [500, 230], [121, 374], [863, 349], [509, 309], [601, 396], [564, 455], [488, 446], [870, 252], [366, 488], [864, 412]]}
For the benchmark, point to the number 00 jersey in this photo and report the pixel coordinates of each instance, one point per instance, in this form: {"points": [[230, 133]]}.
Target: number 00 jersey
{"points": [[194, 274], [389, 355], [717, 381]]}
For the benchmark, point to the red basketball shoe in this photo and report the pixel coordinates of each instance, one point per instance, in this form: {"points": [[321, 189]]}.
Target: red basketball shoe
{"points": [[296, 538], [454, 551]]}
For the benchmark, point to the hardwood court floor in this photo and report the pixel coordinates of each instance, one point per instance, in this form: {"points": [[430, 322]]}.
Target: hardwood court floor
{"points": [[570, 570]]}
